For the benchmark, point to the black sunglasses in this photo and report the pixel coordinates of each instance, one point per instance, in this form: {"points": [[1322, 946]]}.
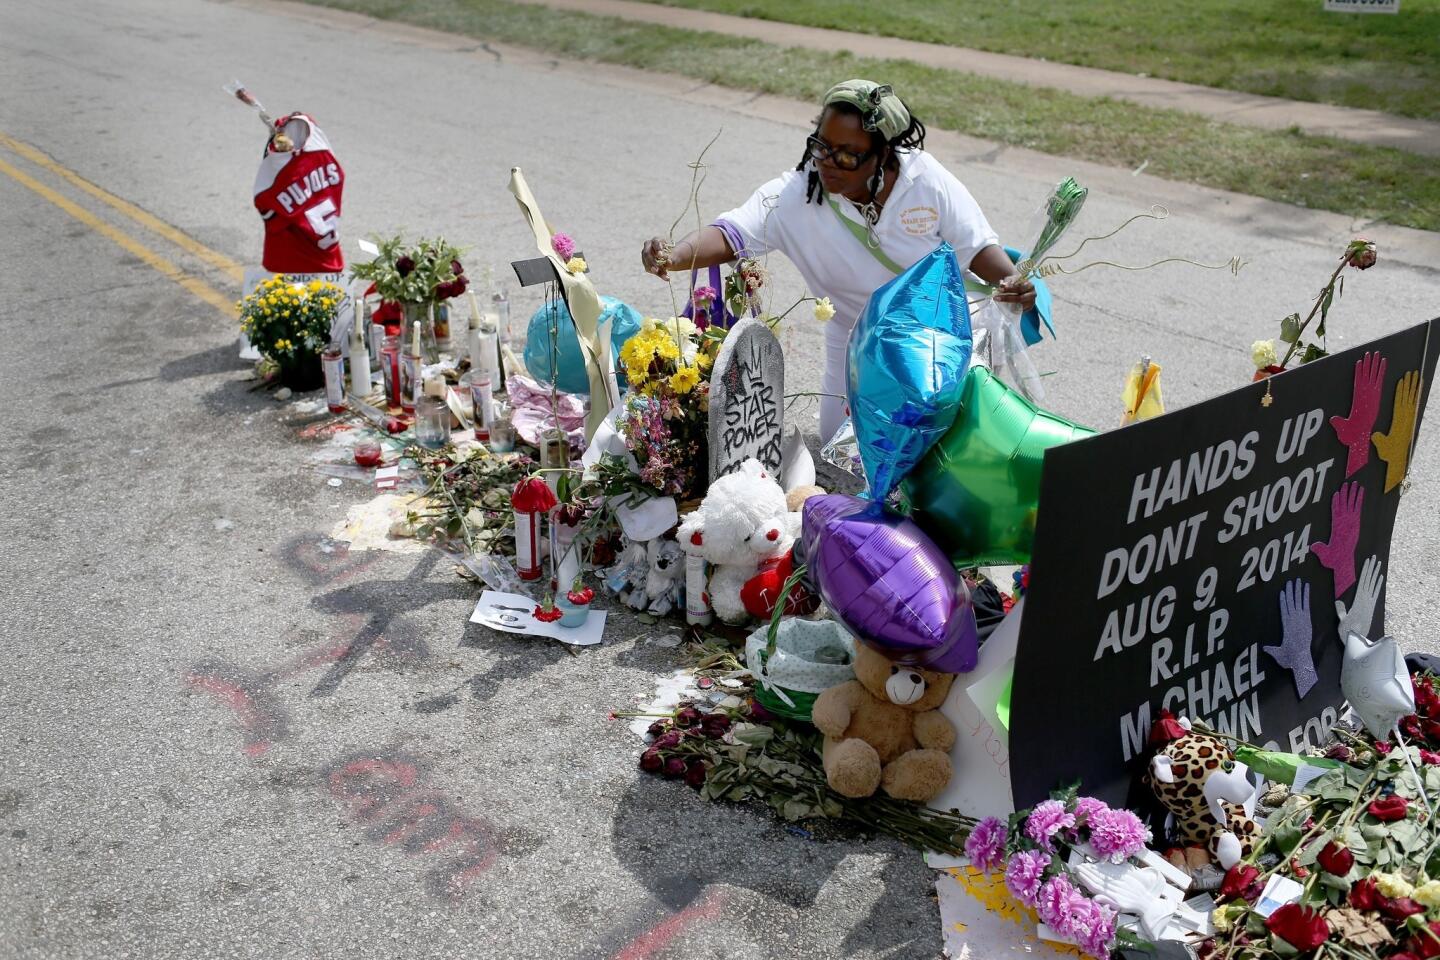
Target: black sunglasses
{"points": [[844, 159]]}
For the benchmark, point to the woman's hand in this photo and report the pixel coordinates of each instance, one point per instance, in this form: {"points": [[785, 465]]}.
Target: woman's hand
{"points": [[655, 256], [1014, 289]]}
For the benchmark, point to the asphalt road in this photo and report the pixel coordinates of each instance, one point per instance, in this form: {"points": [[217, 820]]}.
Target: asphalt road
{"points": [[222, 737]]}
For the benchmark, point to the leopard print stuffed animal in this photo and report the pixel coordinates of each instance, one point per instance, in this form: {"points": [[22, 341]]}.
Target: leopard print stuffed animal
{"points": [[1198, 780]]}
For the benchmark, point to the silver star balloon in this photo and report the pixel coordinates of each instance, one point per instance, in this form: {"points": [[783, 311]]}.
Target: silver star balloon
{"points": [[1374, 679]]}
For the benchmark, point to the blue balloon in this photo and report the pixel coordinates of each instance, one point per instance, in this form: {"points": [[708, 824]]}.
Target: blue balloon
{"points": [[571, 376], [908, 355]]}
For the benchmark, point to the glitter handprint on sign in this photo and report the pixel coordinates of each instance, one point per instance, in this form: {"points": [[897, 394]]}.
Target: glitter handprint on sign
{"points": [[1354, 430], [1394, 447], [1339, 553], [1293, 652]]}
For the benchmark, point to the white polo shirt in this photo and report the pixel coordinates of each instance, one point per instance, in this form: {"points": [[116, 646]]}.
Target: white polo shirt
{"points": [[926, 205]]}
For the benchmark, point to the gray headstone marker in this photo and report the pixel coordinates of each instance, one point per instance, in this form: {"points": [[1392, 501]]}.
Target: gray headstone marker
{"points": [[747, 400]]}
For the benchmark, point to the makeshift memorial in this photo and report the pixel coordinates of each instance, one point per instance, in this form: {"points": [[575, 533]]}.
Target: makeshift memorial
{"points": [[888, 583], [802, 659], [290, 323], [1065, 846], [620, 319], [978, 489], [884, 729], [746, 397], [909, 351], [742, 756], [742, 522], [418, 278], [1163, 552]]}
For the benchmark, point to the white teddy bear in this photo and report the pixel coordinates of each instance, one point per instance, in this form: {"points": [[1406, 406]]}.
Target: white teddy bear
{"points": [[742, 522]]}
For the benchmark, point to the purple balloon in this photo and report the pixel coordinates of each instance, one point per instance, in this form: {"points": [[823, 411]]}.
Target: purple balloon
{"points": [[889, 583]]}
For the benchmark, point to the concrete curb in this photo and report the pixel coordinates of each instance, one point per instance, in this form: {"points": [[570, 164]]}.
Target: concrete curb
{"points": [[1266, 218], [1247, 109]]}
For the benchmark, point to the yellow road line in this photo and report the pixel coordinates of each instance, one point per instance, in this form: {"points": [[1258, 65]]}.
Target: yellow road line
{"points": [[148, 220], [126, 242]]}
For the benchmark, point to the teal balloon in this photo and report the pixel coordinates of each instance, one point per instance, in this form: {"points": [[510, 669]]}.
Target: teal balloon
{"points": [[908, 355], [977, 492], [570, 374]]}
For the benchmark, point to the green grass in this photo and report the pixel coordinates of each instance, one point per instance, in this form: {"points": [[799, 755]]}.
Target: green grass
{"points": [[1360, 181], [1281, 48]]}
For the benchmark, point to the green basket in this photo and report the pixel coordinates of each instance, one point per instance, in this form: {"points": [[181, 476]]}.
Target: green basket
{"points": [[791, 667]]}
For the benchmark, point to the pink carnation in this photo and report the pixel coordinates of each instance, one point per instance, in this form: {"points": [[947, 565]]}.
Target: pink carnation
{"points": [[1087, 807], [1046, 820], [703, 295], [1093, 927], [1117, 835], [563, 246], [1058, 904], [1025, 873], [986, 844]]}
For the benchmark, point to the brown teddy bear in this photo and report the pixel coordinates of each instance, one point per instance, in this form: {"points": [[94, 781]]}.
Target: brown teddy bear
{"points": [[885, 729]]}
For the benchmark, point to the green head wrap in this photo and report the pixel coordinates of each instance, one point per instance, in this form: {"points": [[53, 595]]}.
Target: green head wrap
{"points": [[880, 110]]}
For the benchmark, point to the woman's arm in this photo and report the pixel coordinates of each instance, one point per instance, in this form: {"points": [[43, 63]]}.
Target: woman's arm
{"points": [[993, 266], [705, 247]]}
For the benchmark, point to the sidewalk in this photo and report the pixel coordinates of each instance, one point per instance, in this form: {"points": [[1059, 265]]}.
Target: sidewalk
{"points": [[1271, 113]]}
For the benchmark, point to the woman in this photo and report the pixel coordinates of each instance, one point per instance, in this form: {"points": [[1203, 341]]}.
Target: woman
{"points": [[864, 203]]}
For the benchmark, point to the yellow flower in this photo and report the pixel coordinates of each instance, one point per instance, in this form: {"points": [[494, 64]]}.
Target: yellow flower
{"points": [[704, 361], [1428, 894], [1262, 354], [824, 309], [326, 301], [1224, 918], [684, 380], [576, 265], [666, 349], [316, 286], [1393, 885]]}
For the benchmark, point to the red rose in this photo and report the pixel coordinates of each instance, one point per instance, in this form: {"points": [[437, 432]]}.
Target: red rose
{"points": [[1383, 747], [651, 761], [674, 768], [1391, 808], [687, 717], [1401, 908], [1336, 859], [1360, 253], [1432, 730], [759, 714], [1241, 880], [1340, 752], [455, 268], [658, 728], [1302, 928], [1429, 756], [1410, 726], [1364, 896], [404, 265], [695, 773], [668, 740], [547, 616], [714, 725], [1426, 943]]}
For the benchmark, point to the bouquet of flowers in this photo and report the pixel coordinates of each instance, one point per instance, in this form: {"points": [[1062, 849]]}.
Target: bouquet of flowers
{"points": [[430, 270], [664, 417], [1034, 846], [290, 323], [1361, 848]]}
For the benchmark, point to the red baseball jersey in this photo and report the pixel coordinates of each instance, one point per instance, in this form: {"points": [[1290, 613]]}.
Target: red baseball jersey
{"points": [[298, 194]]}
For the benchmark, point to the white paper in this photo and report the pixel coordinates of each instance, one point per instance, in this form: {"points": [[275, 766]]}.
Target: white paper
{"points": [[367, 247], [513, 613], [986, 692], [944, 861], [387, 478], [1304, 774], [1278, 892], [980, 760], [648, 519]]}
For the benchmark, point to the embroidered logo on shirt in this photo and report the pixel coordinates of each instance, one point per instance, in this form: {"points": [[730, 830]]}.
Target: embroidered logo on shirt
{"points": [[919, 221]]}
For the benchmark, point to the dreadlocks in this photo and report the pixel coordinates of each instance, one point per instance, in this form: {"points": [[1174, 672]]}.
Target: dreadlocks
{"points": [[911, 138]]}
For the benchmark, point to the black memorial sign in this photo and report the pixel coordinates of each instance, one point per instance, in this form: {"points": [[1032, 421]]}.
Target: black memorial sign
{"points": [[1193, 563]]}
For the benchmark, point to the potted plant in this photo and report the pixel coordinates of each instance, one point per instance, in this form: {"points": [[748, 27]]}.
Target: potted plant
{"points": [[420, 278], [289, 323]]}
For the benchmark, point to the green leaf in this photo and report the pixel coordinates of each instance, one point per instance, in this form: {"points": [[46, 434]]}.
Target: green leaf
{"points": [[1290, 328], [1282, 947], [1286, 838], [1313, 352]]}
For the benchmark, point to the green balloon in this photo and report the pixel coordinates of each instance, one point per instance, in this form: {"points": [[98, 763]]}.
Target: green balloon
{"points": [[977, 491]]}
